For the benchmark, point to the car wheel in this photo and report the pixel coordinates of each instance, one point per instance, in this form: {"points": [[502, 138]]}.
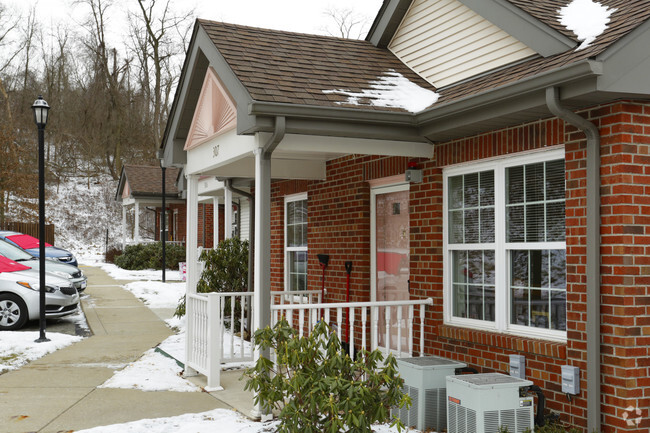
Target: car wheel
{"points": [[13, 312]]}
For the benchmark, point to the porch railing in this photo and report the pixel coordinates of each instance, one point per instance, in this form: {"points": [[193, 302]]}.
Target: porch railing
{"points": [[388, 325], [213, 322]]}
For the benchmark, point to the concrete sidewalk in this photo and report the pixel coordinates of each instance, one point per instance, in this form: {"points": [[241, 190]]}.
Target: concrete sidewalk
{"points": [[59, 391]]}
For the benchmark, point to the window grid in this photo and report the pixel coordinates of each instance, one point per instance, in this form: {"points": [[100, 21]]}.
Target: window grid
{"points": [[551, 170], [296, 251]]}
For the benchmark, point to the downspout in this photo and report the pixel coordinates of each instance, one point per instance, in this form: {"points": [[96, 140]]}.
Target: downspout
{"points": [[593, 253], [251, 227], [276, 138]]}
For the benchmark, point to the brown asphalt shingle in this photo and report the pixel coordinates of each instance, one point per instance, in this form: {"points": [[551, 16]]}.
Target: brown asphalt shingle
{"points": [[294, 68], [147, 180]]}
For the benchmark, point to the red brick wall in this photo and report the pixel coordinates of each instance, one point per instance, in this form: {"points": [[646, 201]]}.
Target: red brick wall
{"points": [[339, 225]]}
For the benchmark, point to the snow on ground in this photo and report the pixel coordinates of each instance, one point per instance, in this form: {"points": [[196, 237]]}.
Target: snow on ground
{"points": [[586, 18], [152, 372], [144, 275], [221, 420], [391, 90], [156, 294], [18, 348]]}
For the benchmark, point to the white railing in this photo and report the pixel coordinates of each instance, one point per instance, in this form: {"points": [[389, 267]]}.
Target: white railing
{"points": [[296, 297], [387, 325], [212, 332]]}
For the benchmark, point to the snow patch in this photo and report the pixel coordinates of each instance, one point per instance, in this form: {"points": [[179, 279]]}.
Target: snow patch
{"points": [[587, 19], [152, 372], [144, 275], [392, 90], [17, 348], [156, 294]]}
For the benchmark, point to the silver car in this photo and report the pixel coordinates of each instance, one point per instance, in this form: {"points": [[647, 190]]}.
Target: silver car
{"points": [[72, 273], [19, 295]]}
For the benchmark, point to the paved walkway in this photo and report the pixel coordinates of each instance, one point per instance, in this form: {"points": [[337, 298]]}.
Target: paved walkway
{"points": [[58, 393]]}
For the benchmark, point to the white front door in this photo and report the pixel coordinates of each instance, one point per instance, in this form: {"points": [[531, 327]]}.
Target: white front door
{"points": [[390, 261]]}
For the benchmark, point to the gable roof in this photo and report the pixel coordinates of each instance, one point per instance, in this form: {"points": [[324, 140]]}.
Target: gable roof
{"points": [[296, 68], [146, 181]]}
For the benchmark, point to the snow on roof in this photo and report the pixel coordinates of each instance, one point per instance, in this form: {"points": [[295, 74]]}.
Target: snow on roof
{"points": [[586, 18], [391, 90]]}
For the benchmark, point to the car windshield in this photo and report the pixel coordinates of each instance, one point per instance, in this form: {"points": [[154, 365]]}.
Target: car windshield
{"points": [[12, 252]]}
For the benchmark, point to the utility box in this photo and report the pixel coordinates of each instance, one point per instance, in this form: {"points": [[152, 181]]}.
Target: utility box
{"points": [[425, 382], [570, 380], [484, 403], [518, 366]]}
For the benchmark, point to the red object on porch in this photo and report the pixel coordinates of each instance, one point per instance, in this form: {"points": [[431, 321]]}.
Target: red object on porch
{"points": [[26, 242], [8, 265]]}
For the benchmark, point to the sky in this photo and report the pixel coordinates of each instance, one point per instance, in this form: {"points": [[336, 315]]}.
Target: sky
{"points": [[305, 16]]}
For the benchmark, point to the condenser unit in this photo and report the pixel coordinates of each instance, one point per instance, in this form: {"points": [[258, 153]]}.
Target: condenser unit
{"points": [[483, 403], [424, 381]]}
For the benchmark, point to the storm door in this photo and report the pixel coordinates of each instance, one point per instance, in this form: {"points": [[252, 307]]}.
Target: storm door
{"points": [[390, 264]]}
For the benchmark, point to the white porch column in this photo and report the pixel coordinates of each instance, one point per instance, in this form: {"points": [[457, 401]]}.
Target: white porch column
{"points": [[136, 229], [123, 227], [227, 213], [191, 243], [215, 215], [262, 259], [191, 257]]}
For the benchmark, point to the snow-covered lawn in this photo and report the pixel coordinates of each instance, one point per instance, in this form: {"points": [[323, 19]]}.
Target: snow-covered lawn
{"points": [[149, 275]]}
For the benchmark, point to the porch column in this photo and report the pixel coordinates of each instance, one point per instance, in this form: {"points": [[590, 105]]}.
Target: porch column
{"points": [[136, 229], [191, 242], [227, 215], [215, 224], [191, 257], [123, 227], [262, 261]]}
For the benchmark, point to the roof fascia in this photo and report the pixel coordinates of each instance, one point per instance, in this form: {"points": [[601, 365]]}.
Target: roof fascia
{"points": [[387, 22], [627, 63], [543, 39], [202, 53], [120, 185], [499, 101], [333, 121]]}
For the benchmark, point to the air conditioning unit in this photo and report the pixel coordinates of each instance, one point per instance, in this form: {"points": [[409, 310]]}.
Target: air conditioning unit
{"points": [[424, 381], [483, 403]]}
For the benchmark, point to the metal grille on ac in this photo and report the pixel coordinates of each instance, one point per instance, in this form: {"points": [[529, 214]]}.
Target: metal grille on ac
{"points": [[523, 420], [415, 406], [435, 415], [508, 420], [491, 421], [461, 419]]}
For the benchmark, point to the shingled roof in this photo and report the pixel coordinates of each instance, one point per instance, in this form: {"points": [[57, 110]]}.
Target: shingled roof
{"points": [[146, 180], [293, 68]]}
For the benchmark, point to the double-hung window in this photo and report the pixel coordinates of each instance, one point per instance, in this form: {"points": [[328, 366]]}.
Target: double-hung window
{"points": [[505, 260], [295, 241]]}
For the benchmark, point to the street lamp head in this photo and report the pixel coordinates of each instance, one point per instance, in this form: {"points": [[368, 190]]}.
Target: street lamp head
{"points": [[40, 108]]}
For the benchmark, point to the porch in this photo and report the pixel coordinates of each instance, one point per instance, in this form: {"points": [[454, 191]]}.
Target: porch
{"points": [[216, 323]]}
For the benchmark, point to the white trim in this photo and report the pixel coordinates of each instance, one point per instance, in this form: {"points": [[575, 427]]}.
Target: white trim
{"points": [[290, 199], [502, 305]]}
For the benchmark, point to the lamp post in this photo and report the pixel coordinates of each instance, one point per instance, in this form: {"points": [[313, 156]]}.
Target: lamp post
{"points": [[41, 108]]}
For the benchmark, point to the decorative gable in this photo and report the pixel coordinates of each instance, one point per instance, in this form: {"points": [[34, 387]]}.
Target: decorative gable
{"points": [[446, 42], [126, 192], [215, 112]]}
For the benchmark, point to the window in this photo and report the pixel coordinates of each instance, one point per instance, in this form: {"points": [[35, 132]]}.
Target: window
{"points": [[295, 241], [505, 260]]}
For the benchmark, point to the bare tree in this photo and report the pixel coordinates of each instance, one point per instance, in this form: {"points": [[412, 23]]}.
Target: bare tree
{"points": [[158, 38], [345, 23]]}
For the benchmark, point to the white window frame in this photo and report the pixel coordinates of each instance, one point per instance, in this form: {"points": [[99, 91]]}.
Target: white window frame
{"points": [[289, 199], [501, 248]]}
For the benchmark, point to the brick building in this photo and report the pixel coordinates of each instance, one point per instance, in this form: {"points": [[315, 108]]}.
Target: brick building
{"points": [[511, 186]]}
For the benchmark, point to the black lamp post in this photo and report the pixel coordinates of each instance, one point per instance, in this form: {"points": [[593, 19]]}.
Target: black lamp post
{"points": [[41, 108]]}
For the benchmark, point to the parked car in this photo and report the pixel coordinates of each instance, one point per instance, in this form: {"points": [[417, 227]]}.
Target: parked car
{"points": [[31, 245], [72, 273], [19, 295]]}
